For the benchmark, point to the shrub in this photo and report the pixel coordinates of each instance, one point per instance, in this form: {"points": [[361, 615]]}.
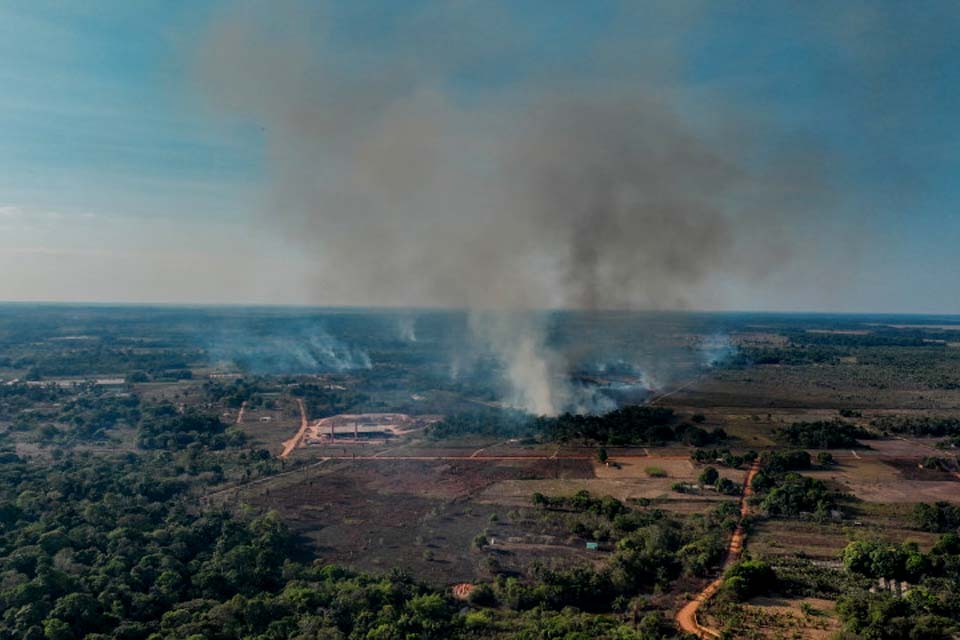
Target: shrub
{"points": [[482, 596]]}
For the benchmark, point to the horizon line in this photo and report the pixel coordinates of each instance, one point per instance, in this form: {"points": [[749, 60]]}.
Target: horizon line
{"points": [[397, 308]]}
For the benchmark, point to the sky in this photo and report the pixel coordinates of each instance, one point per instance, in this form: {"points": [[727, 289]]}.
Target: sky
{"points": [[138, 162]]}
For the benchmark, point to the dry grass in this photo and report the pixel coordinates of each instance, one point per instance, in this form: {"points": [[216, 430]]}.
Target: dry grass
{"points": [[872, 480], [782, 619]]}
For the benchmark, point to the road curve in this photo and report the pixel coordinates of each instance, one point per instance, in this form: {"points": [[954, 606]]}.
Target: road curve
{"points": [[687, 616], [294, 442]]}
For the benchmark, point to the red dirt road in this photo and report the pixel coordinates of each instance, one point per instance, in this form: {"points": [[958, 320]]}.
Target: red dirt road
{"points": [[687, 616], [294, 442]]}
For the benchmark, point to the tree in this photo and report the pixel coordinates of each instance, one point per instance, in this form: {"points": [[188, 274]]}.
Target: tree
{"points": [[728, 487], [602, 456], [940, 517], [56, 629], [709, 476], [877, 559], [749, 578]]}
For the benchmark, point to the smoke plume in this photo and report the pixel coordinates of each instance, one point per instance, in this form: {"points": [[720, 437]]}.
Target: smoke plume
{"points": [[308, 350], [411, 186]]}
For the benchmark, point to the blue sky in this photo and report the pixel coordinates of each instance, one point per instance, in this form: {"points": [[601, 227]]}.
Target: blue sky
{"points": [[121, 179]]}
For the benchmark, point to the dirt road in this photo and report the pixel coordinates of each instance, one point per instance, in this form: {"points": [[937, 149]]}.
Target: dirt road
{"points": [[657, 398], [207, 499], [687, 616], [382, 458], [294, 442], [243, 407]]}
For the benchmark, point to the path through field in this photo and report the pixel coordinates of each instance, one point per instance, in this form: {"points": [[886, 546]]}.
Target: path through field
{"points": [[243, 407], [657, 398], [687, 616], [243, 485]]}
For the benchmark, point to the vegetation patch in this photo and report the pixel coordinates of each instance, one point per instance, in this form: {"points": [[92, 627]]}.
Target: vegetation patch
{"points": [[824, 434]]}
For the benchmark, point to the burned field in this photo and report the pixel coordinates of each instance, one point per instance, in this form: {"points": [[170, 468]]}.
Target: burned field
{"points": [[418, 515]]}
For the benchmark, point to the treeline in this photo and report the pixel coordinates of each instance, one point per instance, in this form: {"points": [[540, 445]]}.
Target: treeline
{"points": [[876, 339], [806, 348], [773, 463], [723, 457], [628, 425], [100, 359], [608, 506], [920, 426], [787, 355], [242, 390], [158, 375], [823, 434], [492, 422], [322, 402], [625, 426]]}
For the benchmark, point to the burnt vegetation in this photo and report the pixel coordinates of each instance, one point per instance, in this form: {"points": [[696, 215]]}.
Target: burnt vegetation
{"points": [[626, 426]]}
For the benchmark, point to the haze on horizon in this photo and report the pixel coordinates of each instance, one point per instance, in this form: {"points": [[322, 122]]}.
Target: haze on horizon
{"points": [[728, 156]]}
